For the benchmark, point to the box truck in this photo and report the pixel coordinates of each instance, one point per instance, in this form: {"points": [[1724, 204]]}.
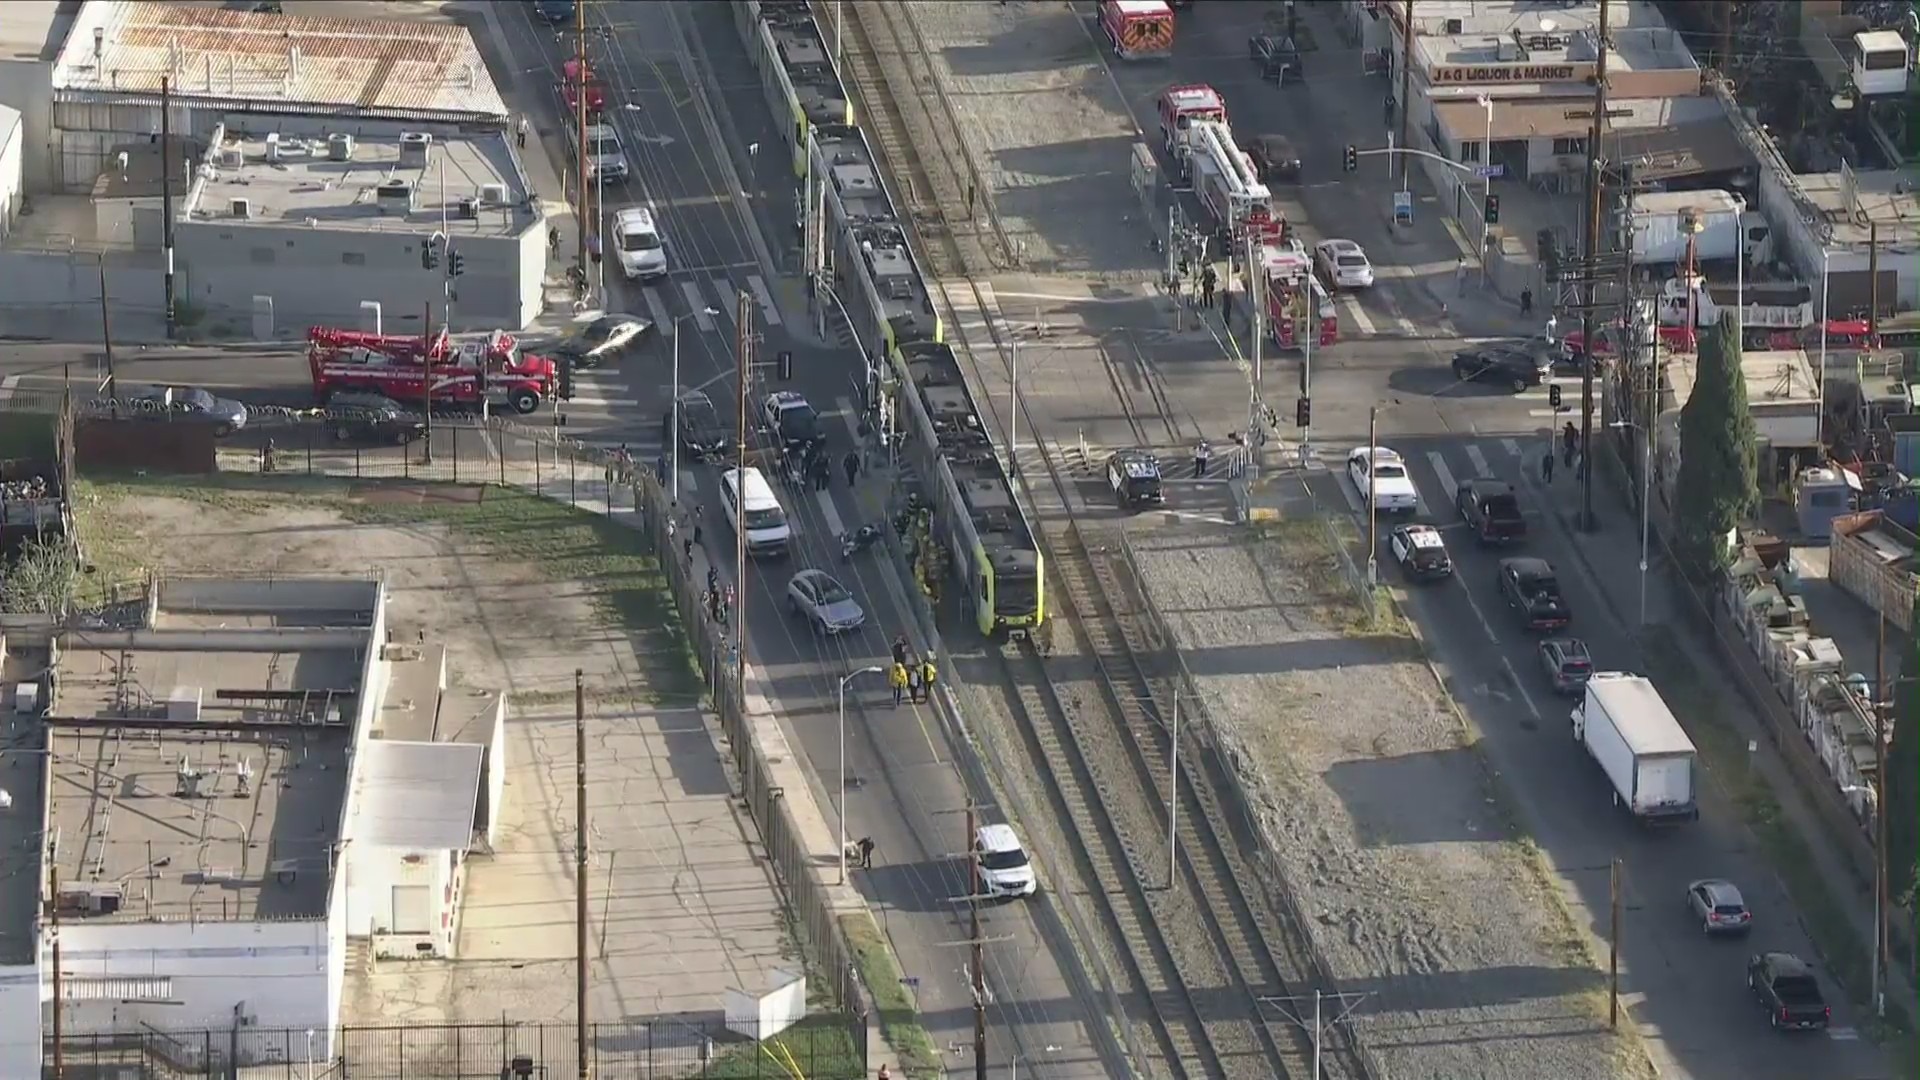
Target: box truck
{"points": [[1647, 758]]}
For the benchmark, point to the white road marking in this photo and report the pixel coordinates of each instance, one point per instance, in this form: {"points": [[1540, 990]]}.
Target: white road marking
{"points": [[1545, 414], [760, 293], [1479, 460], [729, 304], [830, 512], [582, 401], [1511, 446], [1360, 317], [7, 385], [1405, 325], [656, 307], [714, 268], [697, 303], [1843, 1034], [1447, 482]]}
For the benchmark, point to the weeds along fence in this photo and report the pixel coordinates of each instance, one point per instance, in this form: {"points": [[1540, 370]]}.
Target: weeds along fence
{"points": [[1220, 756]]}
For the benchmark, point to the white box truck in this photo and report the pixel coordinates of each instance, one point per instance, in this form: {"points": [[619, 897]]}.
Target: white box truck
{"points": [[1648, 759], [1659, 236]]}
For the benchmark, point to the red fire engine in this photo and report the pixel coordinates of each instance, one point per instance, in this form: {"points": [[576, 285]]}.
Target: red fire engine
{"points": [[1181, 106], [1291, 287], [407, 368], [574, 75]]}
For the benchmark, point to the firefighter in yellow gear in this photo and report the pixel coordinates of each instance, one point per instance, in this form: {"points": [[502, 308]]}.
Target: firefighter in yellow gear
{"points": [[897, 676]]}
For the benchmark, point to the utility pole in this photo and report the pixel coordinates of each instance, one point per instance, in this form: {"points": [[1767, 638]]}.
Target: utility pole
{"points": [[1316, 1024], [1873, 290], [1613, 942], [1882, 715], [1253, 397], [59, 1012], [1406, 88], [582, 1036], [580, 131], [743, 349], [1373, 504], [166, 200], [975, 942], [427, 338], [106, 336], [1593, 249]]}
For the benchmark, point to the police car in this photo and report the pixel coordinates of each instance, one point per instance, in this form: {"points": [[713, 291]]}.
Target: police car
{"points": [[1420, 551], [791, 418], [1134, 477]]}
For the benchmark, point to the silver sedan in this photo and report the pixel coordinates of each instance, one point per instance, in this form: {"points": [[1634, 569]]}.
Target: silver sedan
{"points": [[817, 597]]}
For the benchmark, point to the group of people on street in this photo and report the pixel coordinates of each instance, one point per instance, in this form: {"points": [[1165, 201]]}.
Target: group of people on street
{"points": [[1569, 447], [910, 676]]}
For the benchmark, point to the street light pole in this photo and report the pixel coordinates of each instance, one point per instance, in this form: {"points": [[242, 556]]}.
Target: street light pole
{"points": [[842, 809], [673, 436], [1486, 165], [1013, 394]]}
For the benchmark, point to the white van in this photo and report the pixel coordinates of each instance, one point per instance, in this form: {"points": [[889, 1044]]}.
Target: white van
{"points": [[752, 508]]}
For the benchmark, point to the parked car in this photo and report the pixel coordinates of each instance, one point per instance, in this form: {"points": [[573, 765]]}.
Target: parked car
{"points": [[605, 338], [701, 433], [1719, 907], [1567, 662], [1274, 158], [1492, 511], [191, 404], [828, 607], [1134, 477], [1531, 588], [1005, 870], [637, 241], [1277, 58], [1784, 985], [367, 416], [1381, 478], [1420, 551], [1503, 365], [1343, 264], [791, 418]]}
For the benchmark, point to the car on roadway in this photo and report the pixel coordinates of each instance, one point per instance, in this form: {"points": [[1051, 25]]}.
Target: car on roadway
{"points": [[1785, 986], [1274, 159], [367, 416], [1381, 478], [1531, 588], [1277, 58], [1492, 510], [554, 11], [826, 605], [1343, 264], [1421, 552], [606, 158], [192, 404], [1005, 869], [1503, 365], [791, 418], [1133, 475], [1718, 905], [1567, 663], [605, 338], [637, 242], [701, 434]]}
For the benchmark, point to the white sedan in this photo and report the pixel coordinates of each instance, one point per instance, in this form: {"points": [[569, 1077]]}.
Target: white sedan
{"points": [[636, 239], [1381, 477], [1344, 264]]}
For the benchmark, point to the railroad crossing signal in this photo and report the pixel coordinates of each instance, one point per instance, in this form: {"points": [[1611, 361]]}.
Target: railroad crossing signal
{"points": [[1303, 412], [1352, 162]]}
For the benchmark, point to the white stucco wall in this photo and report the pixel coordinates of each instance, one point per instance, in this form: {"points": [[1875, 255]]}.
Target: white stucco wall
{"points": [[20, 1011], [13, 135], [271, 975], [372, 876]]}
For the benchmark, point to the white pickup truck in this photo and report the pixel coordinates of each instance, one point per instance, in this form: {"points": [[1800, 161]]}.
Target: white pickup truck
{"points": [[1641, 748]]}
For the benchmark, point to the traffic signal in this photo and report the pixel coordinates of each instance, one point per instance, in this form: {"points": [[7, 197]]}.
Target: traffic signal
{"points": [[566, 378], [456, 264], [429, 255], [1553, 396], [1303, 412], [1352, 162], [786, 365], [1493, 209]]}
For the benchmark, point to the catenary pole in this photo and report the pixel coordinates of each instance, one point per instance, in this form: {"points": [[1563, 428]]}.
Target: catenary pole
{"points": [[166, 200], [1594, 186], [582, 1032]]}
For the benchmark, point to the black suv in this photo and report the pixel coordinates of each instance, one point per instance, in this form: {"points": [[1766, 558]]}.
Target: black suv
{"points": [[1134, 477], [356, 414], [701, 434], [1504, 365], [1531, 588], [1492, 511], [1274, 158], [1276, 57]]}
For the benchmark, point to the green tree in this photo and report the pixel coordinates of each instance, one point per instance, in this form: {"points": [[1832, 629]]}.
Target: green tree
{"points": [[40, 579], [1902, 811], [1717, 488]]}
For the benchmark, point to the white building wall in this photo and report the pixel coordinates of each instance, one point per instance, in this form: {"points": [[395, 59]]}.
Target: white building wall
{"points": [[27, 85], [269, 974], [377, 872], [21, 1005], [13, 135]]}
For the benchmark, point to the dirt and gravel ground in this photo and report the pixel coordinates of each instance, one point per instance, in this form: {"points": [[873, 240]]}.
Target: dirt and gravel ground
{"points": [[522, 591], [1416, 888]]}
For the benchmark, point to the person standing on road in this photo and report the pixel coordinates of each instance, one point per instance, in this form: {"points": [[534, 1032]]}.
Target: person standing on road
{"points": [[851, 463], [1546, 466], [1526, 302], [900, 649], [927, 673], [1208, 279], [916, 692], [520, 133], [1202, 454], [866, 852], [1570, 443], [1460, 275], [897, 676]]}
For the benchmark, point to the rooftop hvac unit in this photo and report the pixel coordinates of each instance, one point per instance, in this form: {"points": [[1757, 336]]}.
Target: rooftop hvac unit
{"points": [[240, 208], [273, 146], [413, 149], [393, 196], [26, 698], [340, 146], [1452, 26], [231, 157], [493, 194], [183, 704], [469, 207], [90, 900]]}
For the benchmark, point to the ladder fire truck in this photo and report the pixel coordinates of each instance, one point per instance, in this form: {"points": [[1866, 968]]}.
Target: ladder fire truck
{"points": [[1181, 106], [1294, 294], [410, 369], [1225, 180]]}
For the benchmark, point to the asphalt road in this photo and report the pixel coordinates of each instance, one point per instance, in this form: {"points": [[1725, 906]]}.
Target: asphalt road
{"points": [[1687, 992]]}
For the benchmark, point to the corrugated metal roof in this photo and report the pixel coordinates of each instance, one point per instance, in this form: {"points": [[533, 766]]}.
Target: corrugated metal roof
{"points": [[416, 796], [319, 63]]}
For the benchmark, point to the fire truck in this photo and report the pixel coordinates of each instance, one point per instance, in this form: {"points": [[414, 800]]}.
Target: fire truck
{"points": [[1181, 106], [1137, 28], [1292, 292], [409, 369], [1225, 180], [575, 76]]}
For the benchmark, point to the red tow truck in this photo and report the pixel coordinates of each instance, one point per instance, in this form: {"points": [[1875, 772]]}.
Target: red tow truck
{"points": [[408, 368]]}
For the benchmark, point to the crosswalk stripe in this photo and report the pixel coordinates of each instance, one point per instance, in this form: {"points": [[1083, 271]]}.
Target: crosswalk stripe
{"points": [[698, 304], [1546, 414], [1360, 317], [582, 401], [729, 304], [1511, 446], [1447, 482], [761, 294], [656, 307], [1479, 460]]}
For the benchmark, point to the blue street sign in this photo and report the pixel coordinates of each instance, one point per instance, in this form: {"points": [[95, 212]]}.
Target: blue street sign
{"points": [[1489, 172], [1403, 207]]}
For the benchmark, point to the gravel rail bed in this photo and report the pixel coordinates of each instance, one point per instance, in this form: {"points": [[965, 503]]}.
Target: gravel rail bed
{"points": [[1416, 888]]}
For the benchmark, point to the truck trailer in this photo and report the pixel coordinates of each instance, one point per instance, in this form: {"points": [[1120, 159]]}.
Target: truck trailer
{"points": [[1660, 235], [1649, 761]]}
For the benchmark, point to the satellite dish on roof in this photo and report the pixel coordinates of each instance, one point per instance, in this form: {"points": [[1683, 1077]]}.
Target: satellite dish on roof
{"points": [[1547, 26]]}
